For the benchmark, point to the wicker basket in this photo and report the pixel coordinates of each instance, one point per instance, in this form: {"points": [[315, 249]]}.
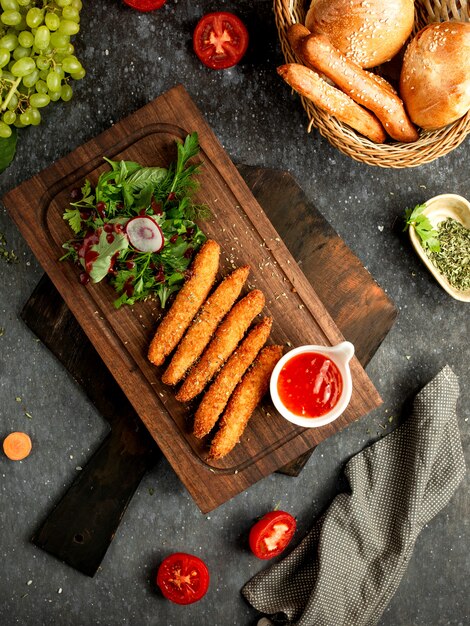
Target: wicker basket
{"points": [[430, 145]]}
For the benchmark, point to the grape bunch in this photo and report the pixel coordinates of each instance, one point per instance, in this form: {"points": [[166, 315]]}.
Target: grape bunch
{"points": [[37, 61]]}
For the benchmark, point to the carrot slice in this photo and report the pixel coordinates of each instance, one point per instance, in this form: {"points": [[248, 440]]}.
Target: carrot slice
{"points": [[17, 446]]}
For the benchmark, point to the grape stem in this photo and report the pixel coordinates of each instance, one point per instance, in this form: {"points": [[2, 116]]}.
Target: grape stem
{"points": [[10, 93]]}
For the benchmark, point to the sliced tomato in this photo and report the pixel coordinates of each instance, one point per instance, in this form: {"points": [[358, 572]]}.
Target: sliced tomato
{"points": [[145, 5], [220, 40], [272, 534], [183, 578]]}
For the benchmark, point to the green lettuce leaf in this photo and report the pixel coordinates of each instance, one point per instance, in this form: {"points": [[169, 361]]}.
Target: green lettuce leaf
{"points": [[106, 251]]}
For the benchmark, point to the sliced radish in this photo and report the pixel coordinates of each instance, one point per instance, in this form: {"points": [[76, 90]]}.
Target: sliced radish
{"points": [[145, 234]]}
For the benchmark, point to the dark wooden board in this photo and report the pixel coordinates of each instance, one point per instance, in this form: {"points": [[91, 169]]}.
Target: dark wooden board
{"points": [[82, 525], [121, 336]]}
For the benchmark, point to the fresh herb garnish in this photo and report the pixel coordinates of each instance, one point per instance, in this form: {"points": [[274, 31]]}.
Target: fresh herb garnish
{"points": [[156, 196], [423, 227], [453, 258], [7, 255]]}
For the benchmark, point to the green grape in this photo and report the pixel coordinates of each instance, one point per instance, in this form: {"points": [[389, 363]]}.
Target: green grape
{"points": [[70, 13], [69, 49], [34, 17], [11, 18], [54, 82], [20, 52], [79, 75], [4, 57], [34, 117], [67, 27], [52, 21], [25, 39], [63, 3], [18, 123], [24, 118], [21, 24], [66, 93], [59, 71], [43, 74], [13, 102], [5, 130], [77, 4], [71, 65], [31, 79], [54, 95], [23, 67], [9, 117], [24, 3], [43, 62], [41, 86], [59, 40], [9, 5], [42, 38], [38, 100], [9, 41]]}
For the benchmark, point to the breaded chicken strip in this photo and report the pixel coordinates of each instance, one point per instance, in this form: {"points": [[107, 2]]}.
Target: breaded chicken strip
{"points": [[215, 399], [243, 402], [226, 339], [187, 303], [202, 329]]}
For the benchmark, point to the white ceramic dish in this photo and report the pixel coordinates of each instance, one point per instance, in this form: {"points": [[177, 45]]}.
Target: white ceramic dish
{"points": [[340, 355], [437, 210]]}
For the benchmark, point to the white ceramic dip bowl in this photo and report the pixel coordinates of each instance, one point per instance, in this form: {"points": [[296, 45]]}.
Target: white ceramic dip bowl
{"points": [[340, 355]]}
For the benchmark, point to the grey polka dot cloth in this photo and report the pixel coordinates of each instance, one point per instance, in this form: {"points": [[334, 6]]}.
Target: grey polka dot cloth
{"points": [[348, 567]]}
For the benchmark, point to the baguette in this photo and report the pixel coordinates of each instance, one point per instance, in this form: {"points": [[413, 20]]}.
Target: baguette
{"points": [[309, 84], [358, 84]]}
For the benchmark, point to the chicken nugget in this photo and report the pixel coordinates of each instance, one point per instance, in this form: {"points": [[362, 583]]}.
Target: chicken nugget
{"points": [[202, 329], [243, 402], [226, 339], [187, 303], [215, 399]]}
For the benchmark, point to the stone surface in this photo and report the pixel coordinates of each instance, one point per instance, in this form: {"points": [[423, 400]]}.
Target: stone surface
{"points": [[132, 58]]}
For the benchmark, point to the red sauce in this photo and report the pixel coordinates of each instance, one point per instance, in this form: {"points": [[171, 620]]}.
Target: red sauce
{"points": [[309, 384]]}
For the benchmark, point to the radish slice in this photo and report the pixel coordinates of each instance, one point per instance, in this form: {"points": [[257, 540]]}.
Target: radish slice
{"points": [[145, 234]]}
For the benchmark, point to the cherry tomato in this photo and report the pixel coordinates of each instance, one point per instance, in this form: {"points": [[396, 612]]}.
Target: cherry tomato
{"points": [[183, 578], [220, 40], [272, 534], [145, 5]]}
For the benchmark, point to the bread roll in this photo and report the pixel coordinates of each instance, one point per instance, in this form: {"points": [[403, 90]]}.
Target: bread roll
{"points": [[309, 83], [435, 78], [369, 33]]}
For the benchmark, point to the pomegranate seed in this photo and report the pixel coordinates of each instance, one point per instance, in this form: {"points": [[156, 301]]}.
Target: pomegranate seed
{"points": [[119, 206], [101, 208], [110, 238], [84, 278], [108, 228], [76, 194], [189, 253], [156, 206], [171, 196], [173, 239], [130, 265], [118, 228]]}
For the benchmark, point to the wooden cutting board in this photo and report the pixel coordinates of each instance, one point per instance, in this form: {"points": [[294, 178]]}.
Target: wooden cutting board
{"points": [[121, 336]]}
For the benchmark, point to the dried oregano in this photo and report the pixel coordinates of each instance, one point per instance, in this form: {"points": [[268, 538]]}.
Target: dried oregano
{"points": [[453, 258], [7, 255]]}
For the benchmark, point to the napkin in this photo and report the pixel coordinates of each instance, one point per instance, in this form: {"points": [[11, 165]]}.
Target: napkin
{"points": [[348, 567]]}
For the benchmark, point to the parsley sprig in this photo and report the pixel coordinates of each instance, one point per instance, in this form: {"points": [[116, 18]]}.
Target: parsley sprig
{"points": [[428, 235], [99, 215]]}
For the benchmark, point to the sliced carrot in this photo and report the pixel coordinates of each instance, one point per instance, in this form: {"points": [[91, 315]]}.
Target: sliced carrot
{"points": [[17, 446]]}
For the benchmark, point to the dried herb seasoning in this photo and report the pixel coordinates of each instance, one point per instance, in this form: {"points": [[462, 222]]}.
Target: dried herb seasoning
{"points": [[453, 257], [7, 255]]}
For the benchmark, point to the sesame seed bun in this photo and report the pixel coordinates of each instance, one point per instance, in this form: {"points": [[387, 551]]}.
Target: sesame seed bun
{"points": [[369, 33], [435, 77]]}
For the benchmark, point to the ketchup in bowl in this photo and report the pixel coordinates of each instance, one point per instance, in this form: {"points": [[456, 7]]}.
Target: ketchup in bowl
{"points": [[309, 384]]}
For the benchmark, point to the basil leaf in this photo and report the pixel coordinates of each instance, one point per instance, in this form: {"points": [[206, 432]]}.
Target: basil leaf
{"points": [[145, 176], [7, 150]]}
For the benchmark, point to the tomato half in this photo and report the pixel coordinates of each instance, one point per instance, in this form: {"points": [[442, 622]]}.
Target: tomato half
{"points": [[220, 40], [183, 578], [272, 534], [145, 5]]}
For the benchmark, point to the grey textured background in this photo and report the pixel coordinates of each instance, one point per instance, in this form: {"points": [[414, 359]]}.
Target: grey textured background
{"points": [[131, 59]]}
